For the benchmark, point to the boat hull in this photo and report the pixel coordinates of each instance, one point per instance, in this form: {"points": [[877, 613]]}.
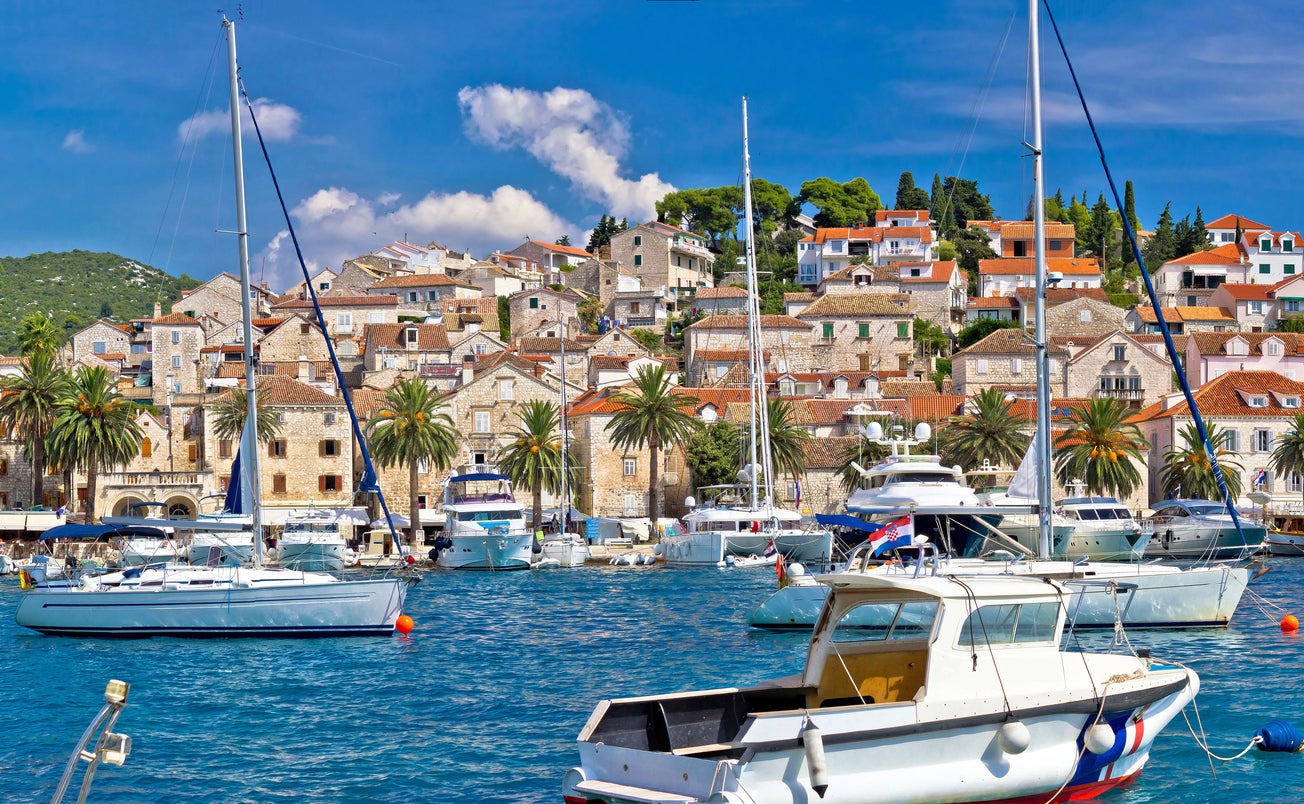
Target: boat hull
{"points": [[902, 752], [311, 556], [339, 608], [488, 552], [697, 549], [1285, 544], [1144, 596], [567, 553], [1207, 540]]}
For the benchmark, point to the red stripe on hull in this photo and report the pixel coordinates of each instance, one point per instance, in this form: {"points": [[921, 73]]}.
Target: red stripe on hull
{"points": [[1082, 792]]}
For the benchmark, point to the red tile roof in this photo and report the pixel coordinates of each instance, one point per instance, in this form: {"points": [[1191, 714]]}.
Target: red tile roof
{"points": [[572, 250], [176, 319], [418, 281], [740, 322], [1241, 292], [1229, 254], [431, 337], [339, 301], [1232, 221], [1228, 396], [1069, 266]]}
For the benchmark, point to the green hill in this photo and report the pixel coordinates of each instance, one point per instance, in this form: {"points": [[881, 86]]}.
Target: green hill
{"points": [[77, 287]]}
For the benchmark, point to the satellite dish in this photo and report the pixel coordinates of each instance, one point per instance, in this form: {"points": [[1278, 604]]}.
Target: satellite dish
{"points": [[923, 431], [744, 475], [873, 431], [690, 502]]}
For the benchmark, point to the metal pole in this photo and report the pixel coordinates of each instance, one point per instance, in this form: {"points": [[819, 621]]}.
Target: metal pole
{"points": [[1039, 309]]}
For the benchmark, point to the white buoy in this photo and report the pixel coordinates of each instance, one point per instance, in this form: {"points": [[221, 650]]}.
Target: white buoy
{"points": [[1014, 737], [1100, 738], [813, 740]]}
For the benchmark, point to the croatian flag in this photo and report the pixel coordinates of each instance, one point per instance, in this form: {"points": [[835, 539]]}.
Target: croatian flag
{"points": [[770, 549], [895, 534], [1259, 477]]}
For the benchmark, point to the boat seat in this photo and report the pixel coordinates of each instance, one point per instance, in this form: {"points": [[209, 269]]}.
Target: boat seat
{"points": [[878, 677]]}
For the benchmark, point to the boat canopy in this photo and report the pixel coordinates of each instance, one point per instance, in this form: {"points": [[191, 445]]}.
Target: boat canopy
{"points": [[474, 476], [78, 531], [847, 521]]}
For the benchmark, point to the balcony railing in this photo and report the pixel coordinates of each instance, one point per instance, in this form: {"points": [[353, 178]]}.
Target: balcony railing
{"points": [[690, 247], [154, 479], [1126, 394]]}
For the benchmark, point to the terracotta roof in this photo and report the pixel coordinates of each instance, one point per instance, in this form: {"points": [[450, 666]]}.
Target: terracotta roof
{"points": [[1152, 338], [801, 296], [942, 271], [1024, 230], [856, 304], [878, 273], [550, 345], [908, 388], [920, 215], [828, 453], [1241, 292], [740, 322], [279, 390], [494, 360], [1023, 266], [339, 301], [874, 234], [578, 252], [726, 292], [1207, 343], [1232, 221], [934, 408], [666, 229], [613, 362], [1229, 254], [1008, 341], [393, 336], [418, 281], [1056, 296], [366, 401], [721, 355], [176, 319], [993, 302], [1229, 395], [1183, 314], [267, 323]]}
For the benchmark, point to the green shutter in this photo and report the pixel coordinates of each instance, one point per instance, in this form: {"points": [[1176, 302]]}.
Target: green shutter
{"points": [[903, 329], [638, 240], [534, 304], [828, 330], [1288, 245], [1265, 268], [1289, 269], [1265, 245], [638, 259], [864, 330]]}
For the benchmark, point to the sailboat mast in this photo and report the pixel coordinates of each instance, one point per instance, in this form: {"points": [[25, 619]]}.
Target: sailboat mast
{"points": [[1039, 307], [565, 452], [249, 436], [756, 360]]}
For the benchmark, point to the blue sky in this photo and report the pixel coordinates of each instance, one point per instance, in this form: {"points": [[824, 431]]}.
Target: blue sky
{"points": [[477, 124]]}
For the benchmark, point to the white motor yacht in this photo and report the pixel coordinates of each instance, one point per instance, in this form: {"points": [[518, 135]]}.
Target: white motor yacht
{"points": [[312, 543], [724, 524], [1202, 529], [484, 524]]}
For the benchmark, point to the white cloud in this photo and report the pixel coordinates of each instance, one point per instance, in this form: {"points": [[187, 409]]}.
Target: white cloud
{"points": [[75, 142], [336, 224], [572, 133], [279, 123]]}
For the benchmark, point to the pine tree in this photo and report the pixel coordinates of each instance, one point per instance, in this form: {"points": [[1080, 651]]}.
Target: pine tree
{"points": [[1163, 244], [908, 196], [937, 198], [1201, 234]]}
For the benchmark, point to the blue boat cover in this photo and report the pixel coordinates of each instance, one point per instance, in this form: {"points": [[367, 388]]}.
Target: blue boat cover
{"points": [[476, 476], [847, 521], [76, 531]]}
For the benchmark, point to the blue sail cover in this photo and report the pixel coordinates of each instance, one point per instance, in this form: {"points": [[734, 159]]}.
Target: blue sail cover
{"points": [[234, 503], [847, 521]]}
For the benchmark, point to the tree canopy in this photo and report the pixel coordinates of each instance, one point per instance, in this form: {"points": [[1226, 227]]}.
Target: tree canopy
{"points": [[909, 196], [848, 204]]}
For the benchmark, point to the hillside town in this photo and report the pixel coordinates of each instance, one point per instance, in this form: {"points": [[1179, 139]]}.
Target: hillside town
{"points": [[546, 321]]}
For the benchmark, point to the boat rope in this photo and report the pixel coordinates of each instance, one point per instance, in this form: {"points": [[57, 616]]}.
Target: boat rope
{"points": [[1083, 750], [1263, 604], [369, 481], [1202, 740], [847, 670], [1173, 355]]}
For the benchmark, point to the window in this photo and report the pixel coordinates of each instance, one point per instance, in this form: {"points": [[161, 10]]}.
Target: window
{"points": [[631, 467], [1287, 245], [638, 259], [277, 448], [376, 317], [1227, 237], [1265, 268], [330, 448], [876, 622], [192, 452], [1120, 353], [99, 347], [1016, 365], [323, 286], [4, 466], [631, 505], [482, 421], [1265, 244], [1290, 402], [1134, 383], [412, 295], [1084, 316], [146, 448], [1263, 441], [862, 330], [278, 484], [679, 262], [638, 240], [224, 483], [344, 322], [328, 418], [903, 329], [1233, 440], [1009, 624], [1288, 268], [176, 336], [1258, 401], [1272, 348], [506, 390], [981, 367], [534, 303], [1256, 308], [176, 361], [1295, 483], [224, 449], [633, 308], [828, 330], [329, 482], [1292, 306]]}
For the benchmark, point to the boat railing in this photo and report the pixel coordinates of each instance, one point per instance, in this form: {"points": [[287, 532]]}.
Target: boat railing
{"points": [[1110, 587]]}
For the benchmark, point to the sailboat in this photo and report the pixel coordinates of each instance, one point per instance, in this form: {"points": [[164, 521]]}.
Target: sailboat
{"points": [[1103, 594], [563, 549], [221, 600], [742, 519]]}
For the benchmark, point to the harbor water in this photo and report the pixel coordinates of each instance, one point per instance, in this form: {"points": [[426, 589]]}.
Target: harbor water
{"points": [[483, 701]]}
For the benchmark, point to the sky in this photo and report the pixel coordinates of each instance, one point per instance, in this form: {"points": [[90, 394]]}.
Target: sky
{"points": [[477, 125]]}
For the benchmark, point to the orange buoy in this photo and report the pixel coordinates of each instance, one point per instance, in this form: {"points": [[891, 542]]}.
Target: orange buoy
{"points": [[405, 624], [1289, 623]]}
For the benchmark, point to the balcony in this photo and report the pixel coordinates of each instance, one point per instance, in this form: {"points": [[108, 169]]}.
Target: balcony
{"points": [[193, 481], [1126, 394], [438, 370], [689, 247]]}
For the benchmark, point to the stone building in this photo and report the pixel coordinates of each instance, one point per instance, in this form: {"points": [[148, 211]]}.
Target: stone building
{"points": [[548, 352], [864, 331], [536, 313], [785, 342], [103, 339], [345, 315], [220, 298], [177, 341], [661, 254], [424, 291], [602, 278], [1113, 366], [1004, 359]]}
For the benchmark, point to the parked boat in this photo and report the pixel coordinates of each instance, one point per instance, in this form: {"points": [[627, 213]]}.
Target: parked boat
{"points": [[313, 543], [183, 600], [139, 546], [742, 519], [566, 549], [918, 689], [378, 551], [1285, 536], [484, 524], [1202, 529]]}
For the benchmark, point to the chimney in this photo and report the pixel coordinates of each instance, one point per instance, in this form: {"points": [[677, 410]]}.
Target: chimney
{"points": [[158, 310], [604, 252], [303, 368], [468, 371]]}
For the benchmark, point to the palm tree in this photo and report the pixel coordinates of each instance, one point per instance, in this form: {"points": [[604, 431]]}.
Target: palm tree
{"points": [[533, 458], [992, 432], [94, 428], [28, 404], [230, 411], [1102, 448], [410, 428], [653, 417], [788, 442], [37, 334], [1187, 469], [1288, 458]]}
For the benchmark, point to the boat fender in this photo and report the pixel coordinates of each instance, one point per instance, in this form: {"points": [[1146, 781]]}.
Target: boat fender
{"points": [[1100, 738], [1014, 737], [1279, 735], [813, 741]]}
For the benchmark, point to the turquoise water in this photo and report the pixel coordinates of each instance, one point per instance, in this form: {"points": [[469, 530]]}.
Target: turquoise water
{"points": [[482, 703]]}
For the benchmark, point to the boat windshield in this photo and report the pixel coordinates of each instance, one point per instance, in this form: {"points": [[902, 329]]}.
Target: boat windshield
{"points": [[1206, 509], [313, 527], [1100, 513], [875, 622], [488, 516]]}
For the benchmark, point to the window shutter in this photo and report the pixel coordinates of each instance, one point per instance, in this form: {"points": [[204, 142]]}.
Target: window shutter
{"points": [[321, 482], [192, 451]]}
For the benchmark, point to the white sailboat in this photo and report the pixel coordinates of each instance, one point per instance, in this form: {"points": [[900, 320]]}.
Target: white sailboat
{"points": [[232, 600], [748, 522], [563, 549]]}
